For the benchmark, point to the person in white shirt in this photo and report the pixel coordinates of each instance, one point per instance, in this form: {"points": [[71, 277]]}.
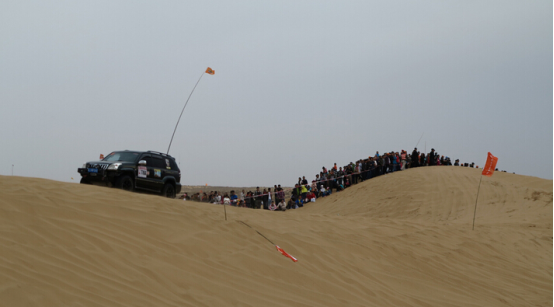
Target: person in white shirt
{"points": [[322, 191]]}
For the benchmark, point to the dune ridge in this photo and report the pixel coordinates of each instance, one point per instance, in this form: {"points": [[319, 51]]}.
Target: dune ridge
{"points": [[403, 239]]}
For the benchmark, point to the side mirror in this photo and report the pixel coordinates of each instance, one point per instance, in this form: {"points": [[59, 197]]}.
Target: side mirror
{"points": [[142, 162]]}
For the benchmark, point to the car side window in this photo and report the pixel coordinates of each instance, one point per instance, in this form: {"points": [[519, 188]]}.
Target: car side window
{"points": [[173, 164], [158, 162], [148, 159]]}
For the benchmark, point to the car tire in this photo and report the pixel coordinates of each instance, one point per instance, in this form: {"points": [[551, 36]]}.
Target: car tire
{"points": [[85, 181], [168, 191], [125, 183]]}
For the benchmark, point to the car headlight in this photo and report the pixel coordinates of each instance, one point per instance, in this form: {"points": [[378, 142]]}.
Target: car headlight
{"points": [[114, 166]]}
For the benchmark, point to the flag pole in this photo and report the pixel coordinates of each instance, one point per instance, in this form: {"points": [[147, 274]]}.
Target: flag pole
{"points": [[475, 210], [420, 140], [182, 111]]}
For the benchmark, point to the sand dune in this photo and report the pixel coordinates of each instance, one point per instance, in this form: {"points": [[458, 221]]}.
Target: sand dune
{"points": [[403, 239]]}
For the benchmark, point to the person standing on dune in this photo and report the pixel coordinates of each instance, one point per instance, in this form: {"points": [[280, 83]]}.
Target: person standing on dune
{"points": [[403, 160], [258, 198], [296, 194], [269, 198], [265, 200], [340, 175], [431, 158], [303, 193], [415, 160]]}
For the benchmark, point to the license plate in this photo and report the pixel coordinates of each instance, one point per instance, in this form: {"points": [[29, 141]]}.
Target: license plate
{"points": [[93, 170]]}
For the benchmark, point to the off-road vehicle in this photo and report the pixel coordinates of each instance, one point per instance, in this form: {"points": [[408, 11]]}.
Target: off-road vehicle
{"points": [[135, 170]]}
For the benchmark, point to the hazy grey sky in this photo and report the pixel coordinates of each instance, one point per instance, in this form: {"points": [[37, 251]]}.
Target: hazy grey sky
{"points": [[298, 84]]}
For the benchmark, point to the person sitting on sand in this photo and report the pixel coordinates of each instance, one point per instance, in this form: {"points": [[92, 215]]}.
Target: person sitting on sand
{"points": [[226, 200], [311, 196], [291, 204], [234, 198], [300, 202], [322, 192], [272, 206], [215, 199], [282, 206]]}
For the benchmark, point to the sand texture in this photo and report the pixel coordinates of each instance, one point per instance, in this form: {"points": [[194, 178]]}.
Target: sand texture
{"points": [[403, 239]]}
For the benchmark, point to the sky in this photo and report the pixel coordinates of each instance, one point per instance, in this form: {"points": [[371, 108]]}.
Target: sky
{"points": [[298, 85]]}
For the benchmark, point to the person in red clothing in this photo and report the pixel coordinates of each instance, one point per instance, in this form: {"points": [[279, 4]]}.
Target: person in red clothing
{"points": [[403, 160], [311, 196]]}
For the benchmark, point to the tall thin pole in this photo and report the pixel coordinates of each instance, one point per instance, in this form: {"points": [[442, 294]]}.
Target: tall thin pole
{"points": [[420, 140], [475, 211], [182, 112], [12, 169]]}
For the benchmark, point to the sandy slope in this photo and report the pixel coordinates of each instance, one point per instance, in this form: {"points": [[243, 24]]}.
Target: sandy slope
{"points": [[403, 239]]}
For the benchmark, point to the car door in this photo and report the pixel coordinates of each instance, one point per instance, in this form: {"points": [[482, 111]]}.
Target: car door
{"points": [[172, 169], [142, 181], [157, 172]]}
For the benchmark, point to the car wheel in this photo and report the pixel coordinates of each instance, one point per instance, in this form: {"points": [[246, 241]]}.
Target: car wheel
{"points": [[85, 181], [168, 191], [125, 183]]}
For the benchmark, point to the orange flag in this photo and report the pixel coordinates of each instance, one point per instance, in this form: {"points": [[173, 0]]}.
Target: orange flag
{"points": [[488, 170], [286, 254], [210, 71]]}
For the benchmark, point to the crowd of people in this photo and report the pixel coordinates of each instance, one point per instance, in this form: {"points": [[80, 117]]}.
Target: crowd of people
{"points": [[328, 180]]}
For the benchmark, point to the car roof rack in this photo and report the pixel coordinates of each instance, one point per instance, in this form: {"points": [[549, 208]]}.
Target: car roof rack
{"points": [[160, 153]]}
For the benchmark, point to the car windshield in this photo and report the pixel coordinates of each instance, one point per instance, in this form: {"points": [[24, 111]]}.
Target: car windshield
{"points": [[117, 156]]}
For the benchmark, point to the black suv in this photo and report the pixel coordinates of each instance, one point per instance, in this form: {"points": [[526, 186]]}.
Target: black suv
{"points": [[135, 170]]}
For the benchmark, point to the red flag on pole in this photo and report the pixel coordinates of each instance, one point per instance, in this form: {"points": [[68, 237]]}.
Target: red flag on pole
{"points": [[285, 253], [210, 71], [490, 166]]}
